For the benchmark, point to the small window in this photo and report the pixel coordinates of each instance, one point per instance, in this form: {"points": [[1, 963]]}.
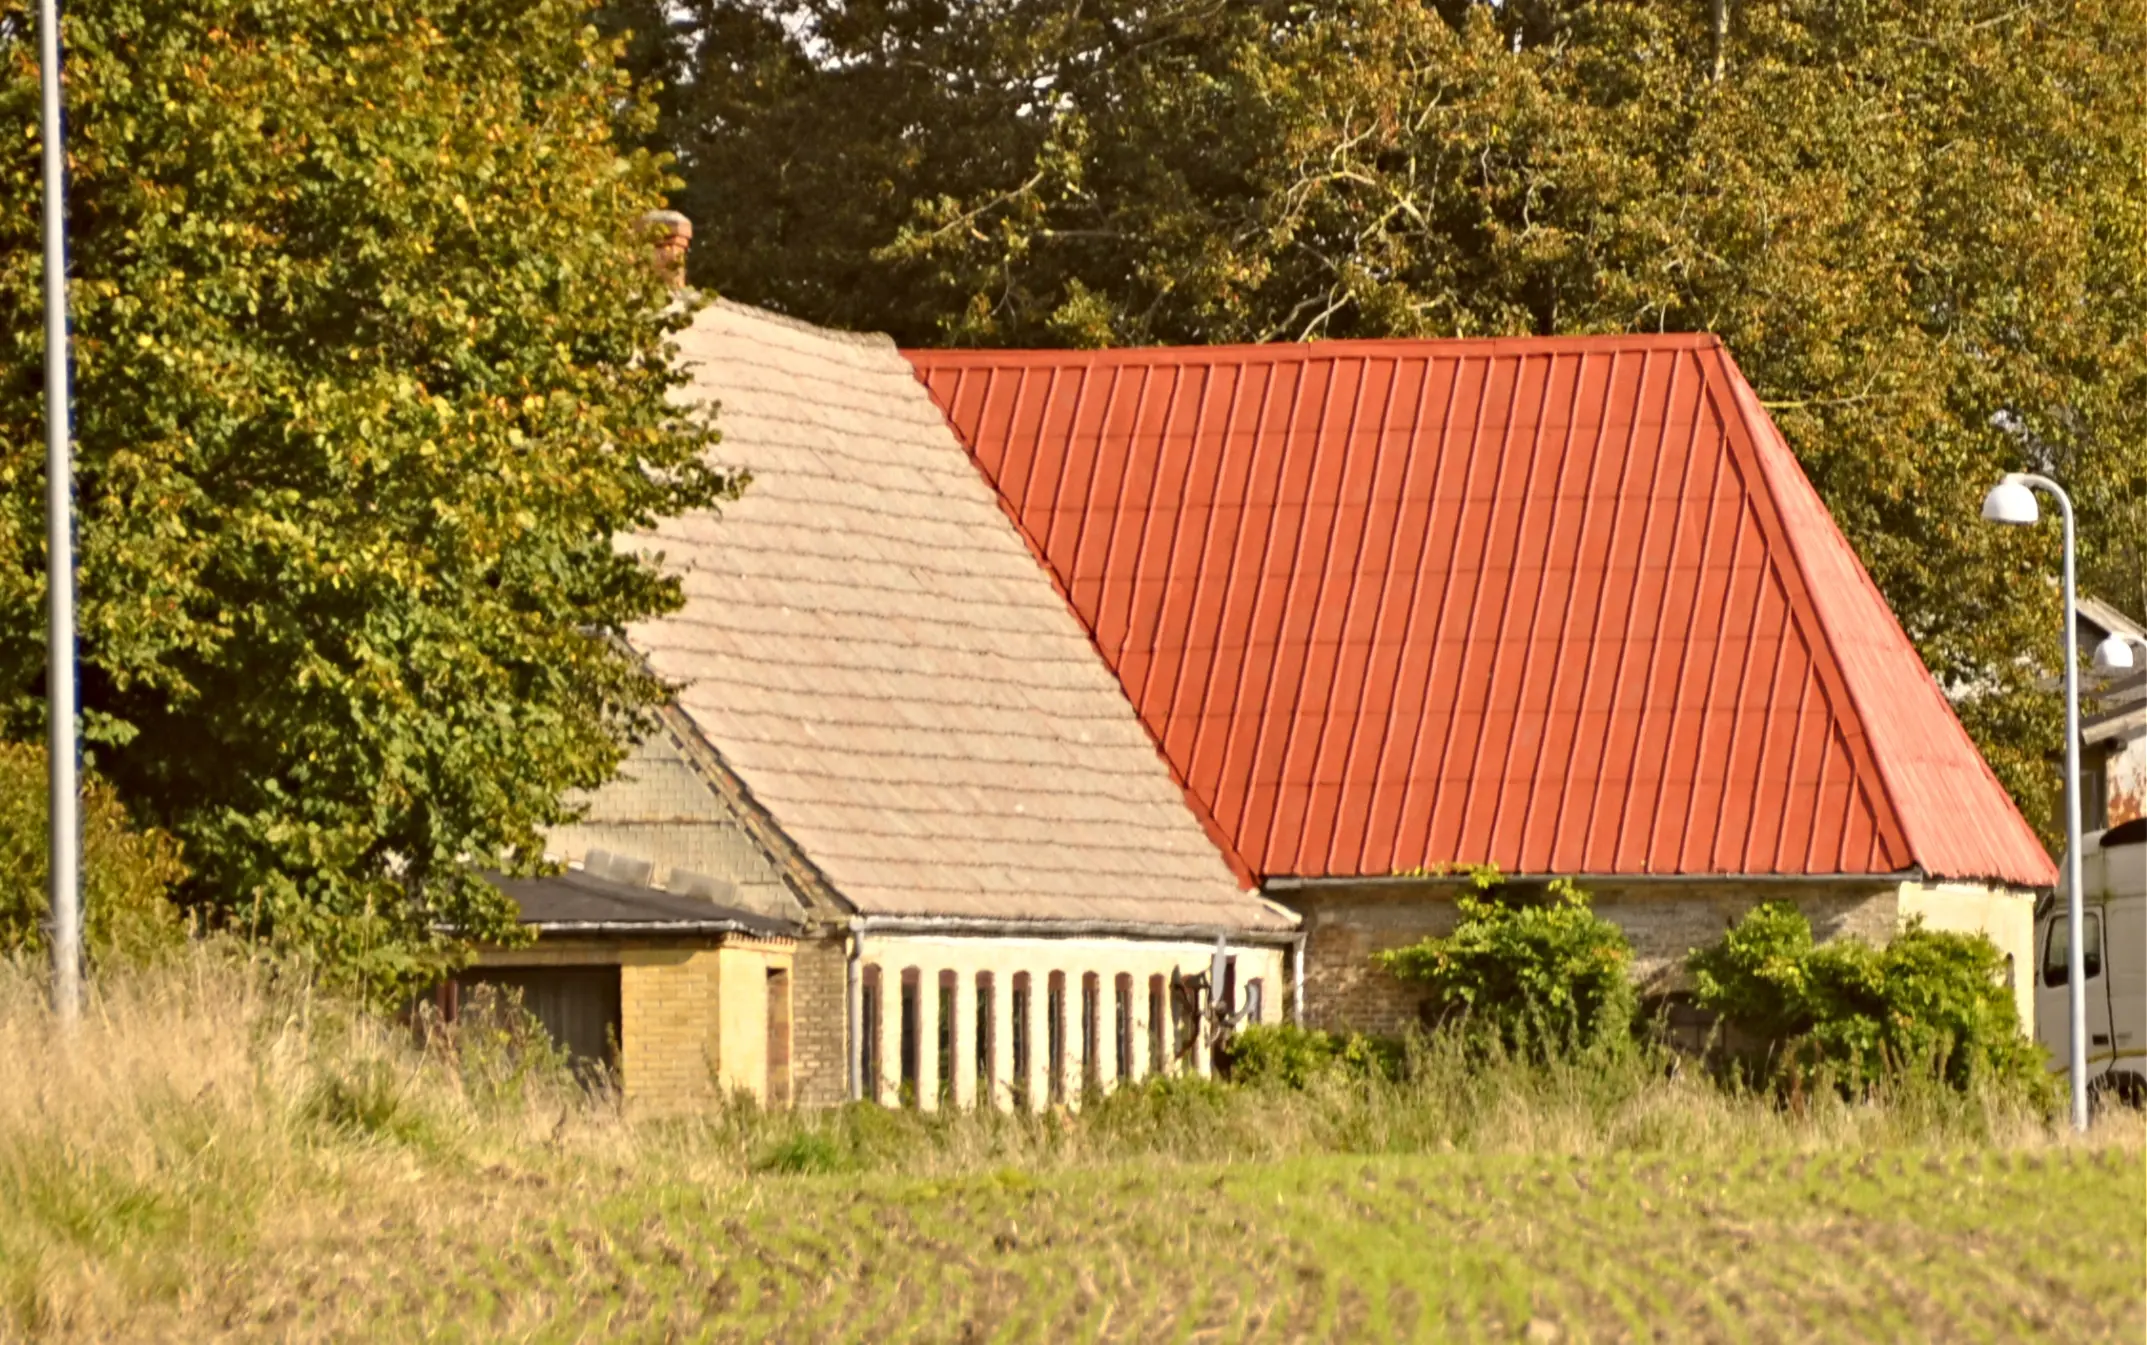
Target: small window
{"points": [[2058, 949], [1255, 1005], [1091, 1033], [2094, 792], [1184, 1018], [1158, 1016], [910, 1044], [1019, 1010], [945, 1047], [1055, 1037], [868, 1028], [1122, 1024], [987, 1039]]}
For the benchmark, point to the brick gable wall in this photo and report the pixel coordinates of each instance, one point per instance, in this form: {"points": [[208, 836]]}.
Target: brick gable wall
{"points": [[1346, 925]]}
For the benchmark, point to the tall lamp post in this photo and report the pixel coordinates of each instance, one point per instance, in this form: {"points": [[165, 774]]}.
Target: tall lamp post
{"points": [[65, 854], [2012, 502]]}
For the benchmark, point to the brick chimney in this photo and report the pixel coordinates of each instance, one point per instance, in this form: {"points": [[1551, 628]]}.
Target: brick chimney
{"points": [[673, 234]]}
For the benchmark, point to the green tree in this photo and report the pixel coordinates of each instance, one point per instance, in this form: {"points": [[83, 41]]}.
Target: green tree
{"points": [[1921, 225], [127, 872], [372, 374]]}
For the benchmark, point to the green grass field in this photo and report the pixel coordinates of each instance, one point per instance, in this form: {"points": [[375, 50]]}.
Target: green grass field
{"points": [[216, 1160], [1805, 1246]]}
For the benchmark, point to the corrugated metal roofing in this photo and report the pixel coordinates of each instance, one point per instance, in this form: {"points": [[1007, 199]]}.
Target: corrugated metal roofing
{"points": [[1566, 606]]}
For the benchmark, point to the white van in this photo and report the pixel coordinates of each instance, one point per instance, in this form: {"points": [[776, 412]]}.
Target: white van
{"points": [[2113, 875]]}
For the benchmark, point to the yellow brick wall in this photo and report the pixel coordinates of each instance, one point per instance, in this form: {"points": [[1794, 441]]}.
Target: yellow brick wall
{"points": [[2007, 916], [693, 1018], [741, 1000], [668, 1034]]}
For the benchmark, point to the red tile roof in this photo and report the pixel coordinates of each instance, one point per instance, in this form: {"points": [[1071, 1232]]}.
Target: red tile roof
{"points": [[1565, 606]]}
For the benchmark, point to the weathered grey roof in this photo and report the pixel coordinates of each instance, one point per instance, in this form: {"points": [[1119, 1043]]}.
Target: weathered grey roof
{"points": [[873, 650], [2108, 618], [571, 902]]}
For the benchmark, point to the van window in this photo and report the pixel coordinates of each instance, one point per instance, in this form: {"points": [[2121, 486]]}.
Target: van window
{"points": [[2058, 948]]}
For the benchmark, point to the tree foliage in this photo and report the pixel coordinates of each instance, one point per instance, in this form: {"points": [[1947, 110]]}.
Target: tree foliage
{"points": [[1928, 999], [127, 872], [1546, 973], [1921, 225], [371, 374]]}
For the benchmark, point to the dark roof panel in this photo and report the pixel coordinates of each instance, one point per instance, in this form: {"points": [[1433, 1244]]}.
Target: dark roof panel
{"points": [[567, 900]]}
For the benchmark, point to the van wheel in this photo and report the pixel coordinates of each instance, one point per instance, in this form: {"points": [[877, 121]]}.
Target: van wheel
{"points": [[2121, 1088]]}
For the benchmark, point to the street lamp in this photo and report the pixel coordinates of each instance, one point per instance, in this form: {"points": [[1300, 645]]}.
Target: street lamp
{"points": [[2012, 502], [2114, 654]]}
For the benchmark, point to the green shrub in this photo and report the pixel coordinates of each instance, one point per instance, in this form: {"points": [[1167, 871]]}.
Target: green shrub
{"points": [[1546, 973], [1931, 1003], [502, 1053], [363, 1098], [804, 1152], [1283, 1055], [127, 874]]}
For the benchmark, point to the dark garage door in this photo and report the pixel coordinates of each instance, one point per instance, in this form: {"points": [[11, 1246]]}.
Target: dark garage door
{"points": [[579, 1006]]}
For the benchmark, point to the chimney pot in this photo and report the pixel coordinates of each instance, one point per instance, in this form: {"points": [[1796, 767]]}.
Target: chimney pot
{"points": [[673, 234]]}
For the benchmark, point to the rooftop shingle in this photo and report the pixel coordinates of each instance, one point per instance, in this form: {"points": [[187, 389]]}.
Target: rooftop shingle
{"points": [[870, 646]]}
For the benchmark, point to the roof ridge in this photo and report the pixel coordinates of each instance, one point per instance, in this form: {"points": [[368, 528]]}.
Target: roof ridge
{"points": [[872, 340], [1278, 351]]}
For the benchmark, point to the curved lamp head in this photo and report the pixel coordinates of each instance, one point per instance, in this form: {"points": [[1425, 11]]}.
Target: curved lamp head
{"points": [[2011, 502], [2114, 654]]}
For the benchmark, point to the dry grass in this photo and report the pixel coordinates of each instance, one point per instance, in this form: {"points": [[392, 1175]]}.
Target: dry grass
{"points": [[217, 1155]]}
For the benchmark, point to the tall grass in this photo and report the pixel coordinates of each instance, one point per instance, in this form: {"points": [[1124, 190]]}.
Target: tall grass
{"points": [[209, 1106]]}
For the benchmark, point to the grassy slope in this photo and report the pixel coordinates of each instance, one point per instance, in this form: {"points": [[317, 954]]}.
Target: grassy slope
{"points": [[220, 1159]]}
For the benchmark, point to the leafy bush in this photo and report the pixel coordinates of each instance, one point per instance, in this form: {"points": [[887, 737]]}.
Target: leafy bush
{"points": [[1286, 1056], [803, 1152], [1931, 1001], [502, 1053], [1546, 973], [127, 873]]}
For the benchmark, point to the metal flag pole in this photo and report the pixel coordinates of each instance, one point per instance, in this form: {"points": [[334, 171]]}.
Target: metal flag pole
{"points": [[59, 550]]}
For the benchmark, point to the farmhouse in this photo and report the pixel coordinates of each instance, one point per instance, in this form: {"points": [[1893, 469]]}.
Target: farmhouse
{"points": [[894, 746], [2113, 757], [1568, 607]]}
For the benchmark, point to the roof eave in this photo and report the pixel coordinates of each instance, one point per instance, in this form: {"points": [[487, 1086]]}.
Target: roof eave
{"points": [[669, 927], [1405, 880], [984, 927]]}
